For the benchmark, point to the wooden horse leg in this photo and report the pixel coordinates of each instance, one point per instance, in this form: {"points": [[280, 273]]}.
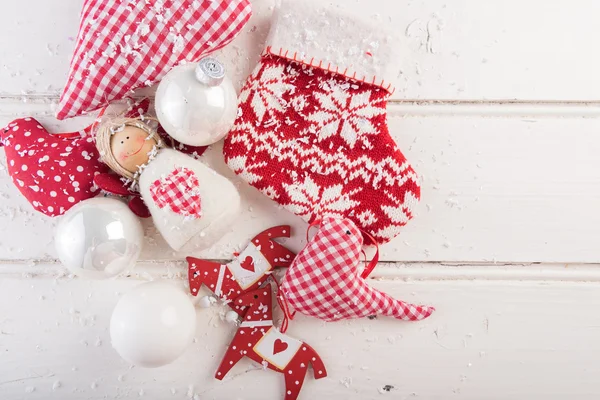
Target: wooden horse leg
{"points": [[231, 358], [294, 381], [319, 370], [196, 273], [296, 372]]}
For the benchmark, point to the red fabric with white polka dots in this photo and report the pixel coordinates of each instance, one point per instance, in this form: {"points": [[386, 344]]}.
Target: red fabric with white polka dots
{"points": [[53, 172]]}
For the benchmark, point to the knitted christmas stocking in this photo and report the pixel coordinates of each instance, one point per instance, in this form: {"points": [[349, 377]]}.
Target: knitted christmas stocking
{"points": [[312, 129]]}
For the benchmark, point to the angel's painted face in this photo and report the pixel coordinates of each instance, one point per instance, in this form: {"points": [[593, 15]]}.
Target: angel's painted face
{"points": [[131, 147]]}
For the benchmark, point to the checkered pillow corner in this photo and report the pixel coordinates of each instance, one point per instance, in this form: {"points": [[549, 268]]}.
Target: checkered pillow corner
{"points": [[124, 46]]}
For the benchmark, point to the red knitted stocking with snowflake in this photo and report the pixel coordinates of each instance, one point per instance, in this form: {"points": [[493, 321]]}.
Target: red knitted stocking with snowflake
{"points": [[312, 132]]}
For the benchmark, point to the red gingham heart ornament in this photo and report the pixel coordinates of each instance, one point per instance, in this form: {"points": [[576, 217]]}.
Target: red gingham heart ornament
{"points": [[126, 45], [53, 172], [179, 191], [325, 282]]}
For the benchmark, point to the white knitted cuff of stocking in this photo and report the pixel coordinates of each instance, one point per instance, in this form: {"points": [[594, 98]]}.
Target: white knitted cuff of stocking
{"points": [[313, 33]]}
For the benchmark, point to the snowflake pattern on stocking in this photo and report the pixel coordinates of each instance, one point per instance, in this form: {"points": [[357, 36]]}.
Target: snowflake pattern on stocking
{"points": [[265, 89], [318, 144], [345, 114], [250, 172], [310, 201]]}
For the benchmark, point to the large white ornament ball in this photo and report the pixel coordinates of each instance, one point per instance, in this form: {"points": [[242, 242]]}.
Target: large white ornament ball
{"points": [[99, 238], [196, 103], [153, 324]]}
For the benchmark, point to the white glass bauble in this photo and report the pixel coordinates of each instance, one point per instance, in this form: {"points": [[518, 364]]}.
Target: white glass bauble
{"points": [[196, 103], [152, 325], [99, 238]]}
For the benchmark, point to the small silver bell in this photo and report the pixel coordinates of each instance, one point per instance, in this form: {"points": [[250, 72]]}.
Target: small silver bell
{"points": [[210, 72]]}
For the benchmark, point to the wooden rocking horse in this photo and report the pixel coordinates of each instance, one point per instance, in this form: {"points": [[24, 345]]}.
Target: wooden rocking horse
{"points": [[258, 339], [247, 272]]}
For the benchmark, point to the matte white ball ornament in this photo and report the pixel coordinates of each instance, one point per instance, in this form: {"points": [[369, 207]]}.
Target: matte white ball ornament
{"points": [[152, 325], [232, 317], [206, 302], [99, 238], [196, 103]]}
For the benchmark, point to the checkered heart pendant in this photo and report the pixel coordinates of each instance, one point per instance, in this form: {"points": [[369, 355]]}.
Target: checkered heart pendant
{"points": [[179, 191]]}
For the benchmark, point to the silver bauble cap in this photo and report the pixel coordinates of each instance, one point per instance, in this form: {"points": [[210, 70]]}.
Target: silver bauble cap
{"points": [[210, 72]]}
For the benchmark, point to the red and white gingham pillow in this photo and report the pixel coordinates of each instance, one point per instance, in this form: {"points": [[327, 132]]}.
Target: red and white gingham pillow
{"points": [[125, 45]]}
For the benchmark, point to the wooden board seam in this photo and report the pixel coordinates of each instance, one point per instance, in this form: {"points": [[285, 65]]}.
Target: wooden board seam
{"points": [[34, 105], [543, 272]]}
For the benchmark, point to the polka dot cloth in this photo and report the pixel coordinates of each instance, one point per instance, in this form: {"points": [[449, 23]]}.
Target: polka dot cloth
{"points": [[53, 172]]}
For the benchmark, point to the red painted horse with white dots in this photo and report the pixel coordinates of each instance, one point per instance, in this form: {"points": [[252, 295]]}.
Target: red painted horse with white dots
{"points": [[248, 271], [258, 339]]}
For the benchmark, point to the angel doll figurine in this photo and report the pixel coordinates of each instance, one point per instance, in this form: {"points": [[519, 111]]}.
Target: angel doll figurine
{"points": [[187, 199]]}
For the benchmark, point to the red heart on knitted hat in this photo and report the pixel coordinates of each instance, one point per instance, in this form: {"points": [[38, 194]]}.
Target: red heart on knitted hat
{"points": [[123, 46], [53, 172]]}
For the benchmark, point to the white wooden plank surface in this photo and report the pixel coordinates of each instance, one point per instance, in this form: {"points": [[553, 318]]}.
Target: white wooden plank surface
{"points": [[506, 142], [494, 189], [488, 340], [462, 49]]}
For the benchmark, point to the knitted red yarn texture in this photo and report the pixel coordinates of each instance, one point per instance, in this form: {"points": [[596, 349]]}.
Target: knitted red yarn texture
{"points": [[318, 144]]}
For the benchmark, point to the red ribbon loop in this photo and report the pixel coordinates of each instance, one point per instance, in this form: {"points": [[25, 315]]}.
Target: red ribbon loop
{"points": [[285, 307], [371, 266]]}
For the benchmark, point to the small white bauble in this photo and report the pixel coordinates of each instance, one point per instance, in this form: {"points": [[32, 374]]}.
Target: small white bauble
{"points": [[232, 317], [99, 238], [205, 302], [196, 103], [153, 324]]}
